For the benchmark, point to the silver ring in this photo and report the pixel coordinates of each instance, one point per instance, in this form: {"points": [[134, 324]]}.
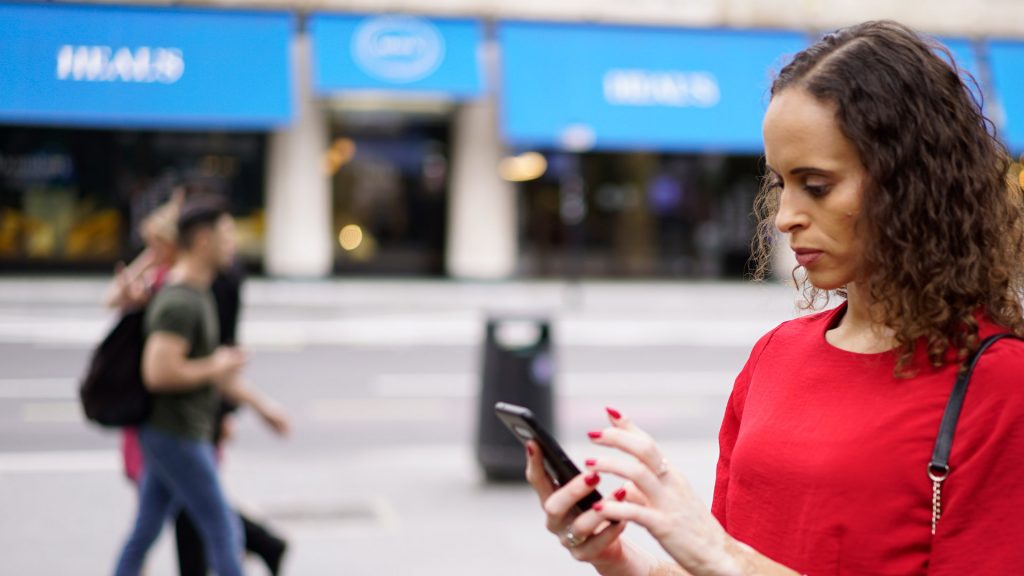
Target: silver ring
{"points": [[572, 539], [663, 467]]}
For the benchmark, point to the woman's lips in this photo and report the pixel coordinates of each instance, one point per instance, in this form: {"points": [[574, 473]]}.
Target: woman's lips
{"points": [[807, 257]]}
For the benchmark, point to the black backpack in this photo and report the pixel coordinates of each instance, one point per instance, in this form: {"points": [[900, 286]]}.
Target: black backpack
{"points": [[112, 391]]}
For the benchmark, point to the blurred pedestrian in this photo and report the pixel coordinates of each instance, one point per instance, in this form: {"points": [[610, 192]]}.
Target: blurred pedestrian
{"points": [[893, 191], [260, 540], [187, 371], [134, 283], [133, 286]]}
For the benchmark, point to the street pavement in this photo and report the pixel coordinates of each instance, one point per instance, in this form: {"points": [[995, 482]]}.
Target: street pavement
{"points": [[382, 381]]}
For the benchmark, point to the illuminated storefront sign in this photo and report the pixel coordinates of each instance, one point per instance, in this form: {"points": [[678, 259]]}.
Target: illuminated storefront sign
{"points": [[403, 54], [581, 87], [116, 66]]}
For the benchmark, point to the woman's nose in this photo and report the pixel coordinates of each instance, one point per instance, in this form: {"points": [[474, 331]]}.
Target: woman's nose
{"points": [[789, 217]]}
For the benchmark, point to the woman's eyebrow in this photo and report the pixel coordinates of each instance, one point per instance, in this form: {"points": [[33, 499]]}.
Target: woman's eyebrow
{"points": [[801, 170], [809, 170]]}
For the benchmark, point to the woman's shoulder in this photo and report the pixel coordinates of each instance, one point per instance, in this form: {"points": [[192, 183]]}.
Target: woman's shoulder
{"points": [[794, 334], [800, 328], [998, 376], [994, 408], [1005, 356]]}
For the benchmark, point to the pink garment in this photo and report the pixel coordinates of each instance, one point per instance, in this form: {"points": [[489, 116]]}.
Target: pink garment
{"points": [[132, 452]]}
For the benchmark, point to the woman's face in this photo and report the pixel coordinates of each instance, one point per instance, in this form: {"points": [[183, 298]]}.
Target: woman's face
{"points": [[820, 180], [164, 251]]}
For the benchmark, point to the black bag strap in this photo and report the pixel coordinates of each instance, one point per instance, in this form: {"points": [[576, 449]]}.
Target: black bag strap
{"points": [[938, 468]]}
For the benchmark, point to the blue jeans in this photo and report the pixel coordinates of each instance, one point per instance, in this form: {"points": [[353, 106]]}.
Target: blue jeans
{"points": [[182, 473]]}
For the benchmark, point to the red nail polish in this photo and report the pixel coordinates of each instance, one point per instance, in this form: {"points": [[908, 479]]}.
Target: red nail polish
{"points": [[598, 506], [529, 450], [590, 463], [593, 479], [594, 434], [620, 494], [615, 414]]}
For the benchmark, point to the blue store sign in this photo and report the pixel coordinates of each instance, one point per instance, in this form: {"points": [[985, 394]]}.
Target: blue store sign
{"points": [[116, 66], [583, 87], [963, 53], [1007, 63], [396, 54], [966, 57]]}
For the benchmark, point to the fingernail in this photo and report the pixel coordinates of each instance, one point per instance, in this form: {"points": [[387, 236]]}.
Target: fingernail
{"points": [[620, 494], [590, 463], [529, 450], [615, 414], [598, 506], [594, 434], [593, 479]]}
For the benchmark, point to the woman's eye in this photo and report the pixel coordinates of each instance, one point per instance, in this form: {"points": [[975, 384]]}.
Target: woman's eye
{"points": [[816, 189]]}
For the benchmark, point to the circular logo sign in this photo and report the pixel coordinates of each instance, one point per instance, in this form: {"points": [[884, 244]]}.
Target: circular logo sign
{"points": [[398, 49]]}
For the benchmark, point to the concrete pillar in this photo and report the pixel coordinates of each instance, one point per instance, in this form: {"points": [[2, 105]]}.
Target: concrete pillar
{"points": [[783, 259], [299, 239], [482, 235]]}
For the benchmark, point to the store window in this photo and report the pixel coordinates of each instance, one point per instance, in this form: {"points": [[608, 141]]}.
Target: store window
{"points": [[73, 199], [389, 183], [639, 215]]}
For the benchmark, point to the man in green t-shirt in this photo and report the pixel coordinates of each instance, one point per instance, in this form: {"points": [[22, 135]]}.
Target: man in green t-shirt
{"points": [[187, 371]]}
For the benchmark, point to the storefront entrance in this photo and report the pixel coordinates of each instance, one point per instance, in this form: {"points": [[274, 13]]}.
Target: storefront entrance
{"points": [[389, 188]]}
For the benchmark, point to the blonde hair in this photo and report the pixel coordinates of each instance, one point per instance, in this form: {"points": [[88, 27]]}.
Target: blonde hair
{"points": [[162, 223]]}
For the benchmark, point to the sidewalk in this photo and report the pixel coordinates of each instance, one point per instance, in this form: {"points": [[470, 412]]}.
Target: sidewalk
{"points": [[381, 480], [390, 512], [294, 314]]}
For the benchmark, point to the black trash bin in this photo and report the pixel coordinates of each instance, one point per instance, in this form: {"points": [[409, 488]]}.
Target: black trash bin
{"points": [[518, 368]]}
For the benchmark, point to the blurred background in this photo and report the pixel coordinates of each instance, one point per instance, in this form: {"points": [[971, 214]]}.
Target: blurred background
{"points": [[402, 172]]}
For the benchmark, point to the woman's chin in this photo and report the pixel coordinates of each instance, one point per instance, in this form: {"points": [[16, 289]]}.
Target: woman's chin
{"points": [[824, 281]]}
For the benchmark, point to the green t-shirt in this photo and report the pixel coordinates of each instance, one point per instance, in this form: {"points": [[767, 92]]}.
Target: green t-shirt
{"points": [[192, 314]]}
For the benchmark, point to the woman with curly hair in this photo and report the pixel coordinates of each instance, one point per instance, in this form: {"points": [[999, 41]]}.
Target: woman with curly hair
{"points": [[892, 190]]}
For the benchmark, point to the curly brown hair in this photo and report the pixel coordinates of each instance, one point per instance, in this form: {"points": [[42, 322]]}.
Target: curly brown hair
{"points": [[944, 222]]}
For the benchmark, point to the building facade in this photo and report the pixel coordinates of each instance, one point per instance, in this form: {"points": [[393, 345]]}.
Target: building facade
{"points": [[468, 139]]}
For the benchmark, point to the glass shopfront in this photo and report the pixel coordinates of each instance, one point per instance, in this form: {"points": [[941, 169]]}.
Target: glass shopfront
{"points": [[638, 215], [389, 182], [73, 198], [104, 110]]}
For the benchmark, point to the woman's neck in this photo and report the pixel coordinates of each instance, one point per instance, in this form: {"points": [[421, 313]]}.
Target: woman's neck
{"points": [[861, 329]]}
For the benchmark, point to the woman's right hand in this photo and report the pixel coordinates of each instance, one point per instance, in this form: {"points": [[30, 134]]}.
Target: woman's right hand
{"points": [[598, 545], [128, 290]]}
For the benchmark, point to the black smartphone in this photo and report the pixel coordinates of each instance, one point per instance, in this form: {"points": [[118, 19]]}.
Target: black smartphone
{"points": [[560, 468]]}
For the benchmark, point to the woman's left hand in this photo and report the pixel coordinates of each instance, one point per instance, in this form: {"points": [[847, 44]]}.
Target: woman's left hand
{"points": [[661, 500]]}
